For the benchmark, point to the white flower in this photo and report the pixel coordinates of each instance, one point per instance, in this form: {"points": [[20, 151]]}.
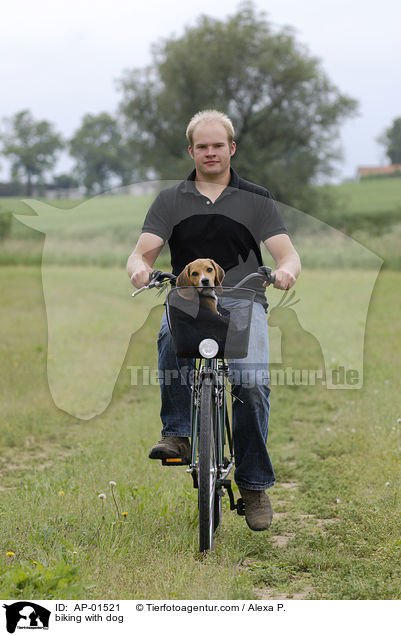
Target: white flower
{"points": [[112, 483], [387, 483], [338, 500], [102, 495]]}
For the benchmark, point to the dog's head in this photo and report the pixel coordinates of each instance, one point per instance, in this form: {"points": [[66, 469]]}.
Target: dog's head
{"points": [[204, 273]]}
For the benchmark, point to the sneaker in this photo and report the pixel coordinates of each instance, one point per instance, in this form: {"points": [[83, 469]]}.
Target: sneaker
{"points": [[258, 509], [171, 448]]}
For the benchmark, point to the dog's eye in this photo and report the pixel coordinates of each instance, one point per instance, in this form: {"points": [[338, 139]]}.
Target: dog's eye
{"points": [[194, 274], [209, 269]]}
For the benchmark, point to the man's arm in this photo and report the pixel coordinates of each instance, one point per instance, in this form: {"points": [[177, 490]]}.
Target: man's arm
{"points": [[140, 263], [286, 258]]}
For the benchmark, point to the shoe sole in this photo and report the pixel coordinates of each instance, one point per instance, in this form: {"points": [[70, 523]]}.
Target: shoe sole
{"points": [[257, 529], [160, 454]]}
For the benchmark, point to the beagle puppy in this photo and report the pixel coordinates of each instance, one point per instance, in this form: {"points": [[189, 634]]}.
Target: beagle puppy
{"points": [[204, 274]]}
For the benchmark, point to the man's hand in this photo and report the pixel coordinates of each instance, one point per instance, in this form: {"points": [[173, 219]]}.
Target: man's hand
{"points": [[140, 276], [284, 279]]}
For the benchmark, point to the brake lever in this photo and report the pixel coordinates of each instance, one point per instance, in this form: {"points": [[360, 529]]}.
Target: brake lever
{"points": [[152, 283], [138, 291], [266, 271]]}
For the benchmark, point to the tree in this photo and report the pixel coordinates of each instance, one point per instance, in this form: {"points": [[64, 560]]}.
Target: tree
{"points": [[31, 145], [65, 181], [391, 140], [285, 110], [100, 152]]}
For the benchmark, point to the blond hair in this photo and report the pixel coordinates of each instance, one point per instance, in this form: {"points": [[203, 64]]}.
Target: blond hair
{"points": [[204, 116]]}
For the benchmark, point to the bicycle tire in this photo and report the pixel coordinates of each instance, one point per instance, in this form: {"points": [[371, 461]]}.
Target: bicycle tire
{"points": [[207, 467]]}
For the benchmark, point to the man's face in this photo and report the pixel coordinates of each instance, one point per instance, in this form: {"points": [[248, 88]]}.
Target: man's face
{"points": [[211, 150]]}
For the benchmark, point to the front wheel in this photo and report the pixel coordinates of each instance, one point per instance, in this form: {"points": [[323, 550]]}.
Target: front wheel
{"points": [[207, 467]]}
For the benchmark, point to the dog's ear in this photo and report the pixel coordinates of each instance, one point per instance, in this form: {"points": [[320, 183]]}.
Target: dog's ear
{"points": [[219, 273], [183, 278]]}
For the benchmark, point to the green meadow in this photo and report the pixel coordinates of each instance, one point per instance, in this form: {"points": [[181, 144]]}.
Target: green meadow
{"points": [[336, 527]]}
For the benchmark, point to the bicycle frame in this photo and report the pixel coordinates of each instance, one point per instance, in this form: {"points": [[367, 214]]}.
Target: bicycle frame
{"points": [[217, 368]]}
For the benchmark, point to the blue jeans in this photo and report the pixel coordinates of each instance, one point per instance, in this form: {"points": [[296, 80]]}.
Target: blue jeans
{"points": [[250, 412]]}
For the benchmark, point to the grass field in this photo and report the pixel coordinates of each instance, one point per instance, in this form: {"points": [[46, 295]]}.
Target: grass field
{"points": [[103, 230], [336, 529]]}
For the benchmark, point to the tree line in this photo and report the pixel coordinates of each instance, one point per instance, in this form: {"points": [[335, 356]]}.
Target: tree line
{"points": [[98, 147], [286, 112]]}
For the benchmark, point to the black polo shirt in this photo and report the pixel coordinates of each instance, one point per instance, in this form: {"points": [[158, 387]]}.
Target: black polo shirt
{"points": [[229, 230]]}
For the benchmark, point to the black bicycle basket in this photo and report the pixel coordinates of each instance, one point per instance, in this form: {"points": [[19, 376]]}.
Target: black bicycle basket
{"points": [[192, 317]]}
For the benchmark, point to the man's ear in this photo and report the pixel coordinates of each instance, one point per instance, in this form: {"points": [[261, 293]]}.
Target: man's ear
{"points": [[219, 273], [191, 154], [233, 148]]}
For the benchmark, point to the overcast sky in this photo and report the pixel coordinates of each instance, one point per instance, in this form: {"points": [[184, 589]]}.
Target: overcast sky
{"points": [[61, 58]]}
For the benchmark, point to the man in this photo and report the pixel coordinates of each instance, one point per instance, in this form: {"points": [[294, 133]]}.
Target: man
{"points": [[216, 214]]}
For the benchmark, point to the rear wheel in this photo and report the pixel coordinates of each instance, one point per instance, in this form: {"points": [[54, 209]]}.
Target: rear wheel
{"points": [[209, 500]]}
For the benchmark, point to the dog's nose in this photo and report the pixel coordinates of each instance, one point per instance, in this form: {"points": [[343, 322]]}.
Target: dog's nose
{"points": [[205, 282]]}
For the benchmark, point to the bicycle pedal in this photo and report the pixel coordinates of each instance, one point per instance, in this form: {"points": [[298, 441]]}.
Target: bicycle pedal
{"points": [[175, 461], [240, 507]]}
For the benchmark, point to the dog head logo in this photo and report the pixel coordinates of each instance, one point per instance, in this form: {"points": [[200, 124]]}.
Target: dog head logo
{"points": [[25, 615]]}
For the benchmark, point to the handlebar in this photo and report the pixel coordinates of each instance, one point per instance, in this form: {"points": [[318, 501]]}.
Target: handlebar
{"points": [[267, 272], [264, 272], [157, 278]]}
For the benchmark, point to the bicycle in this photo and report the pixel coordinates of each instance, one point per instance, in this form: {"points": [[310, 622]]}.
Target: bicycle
{"points": [[209, 340]]}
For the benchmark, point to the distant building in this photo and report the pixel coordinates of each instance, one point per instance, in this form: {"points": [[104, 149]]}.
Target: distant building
{"points": [[380, 171], [144, 187], [62, 193]]}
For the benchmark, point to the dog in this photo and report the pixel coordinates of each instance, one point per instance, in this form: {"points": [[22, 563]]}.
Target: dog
{"points": [[193, 311], [206, 276]]}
